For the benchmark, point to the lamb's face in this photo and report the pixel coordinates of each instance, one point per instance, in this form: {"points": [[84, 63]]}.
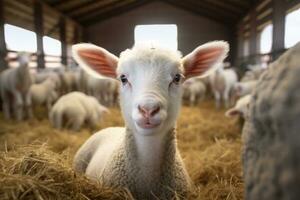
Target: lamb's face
{"points": [[151, 79], [151, 89]]}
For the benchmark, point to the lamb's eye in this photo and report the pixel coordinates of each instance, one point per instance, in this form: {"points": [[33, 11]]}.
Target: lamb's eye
{"points": [[123, 79], [177, 78]]}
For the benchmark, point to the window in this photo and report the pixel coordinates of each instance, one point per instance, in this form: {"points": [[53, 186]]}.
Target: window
{"points": [[19, 39], [52, 46], [266, 37], [292, 28], [161, 35], [246, 48]]}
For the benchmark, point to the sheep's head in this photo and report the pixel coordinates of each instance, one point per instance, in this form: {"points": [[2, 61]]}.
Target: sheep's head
{"points": [[151, 79]]}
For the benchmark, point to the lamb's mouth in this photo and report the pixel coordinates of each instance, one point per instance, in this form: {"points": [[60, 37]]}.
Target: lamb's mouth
{"points": [[147, 125]]}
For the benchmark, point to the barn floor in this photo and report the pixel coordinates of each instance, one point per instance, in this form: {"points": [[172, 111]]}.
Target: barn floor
{"points": [[35, 160]]}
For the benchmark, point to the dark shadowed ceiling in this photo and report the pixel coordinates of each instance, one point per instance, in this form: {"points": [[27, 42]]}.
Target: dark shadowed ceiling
{"points": [[88, 12]]}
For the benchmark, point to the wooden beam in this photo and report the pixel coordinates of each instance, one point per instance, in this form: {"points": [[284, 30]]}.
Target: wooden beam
{"points": [[62, 33], [90, 7], [39, 30], [199, 11], [114, 12], [212, 8], [253, 33], [71, 5], [279, 11], [105, 9], [226, 6], [3, 50]]}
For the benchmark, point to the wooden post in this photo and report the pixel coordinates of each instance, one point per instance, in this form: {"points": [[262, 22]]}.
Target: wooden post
{"points": [[253, 36], [39, 30], [62, 33], [3, 50], [279, 12]]}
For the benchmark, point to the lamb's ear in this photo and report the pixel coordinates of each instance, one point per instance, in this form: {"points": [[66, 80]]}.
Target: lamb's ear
{"points": [[95, 60], [232, 112], [205, 59]]}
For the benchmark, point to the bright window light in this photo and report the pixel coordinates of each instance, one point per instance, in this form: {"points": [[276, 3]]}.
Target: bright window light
{"points": [[19, 39], [52, 46], [158, 35], [246, 48], [266, 37], [292, 28]]}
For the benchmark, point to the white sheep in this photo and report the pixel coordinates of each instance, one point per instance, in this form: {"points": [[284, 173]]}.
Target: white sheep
{"points": [[103, 89], [241, 89], [271, 139], [14, 87], [76, 108], [143, 156], [222, 82], [43, 93], [194, 91], [241, 107]]}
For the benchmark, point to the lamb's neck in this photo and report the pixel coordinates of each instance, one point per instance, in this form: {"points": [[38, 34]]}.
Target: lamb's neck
{"points": [[151, 151]]}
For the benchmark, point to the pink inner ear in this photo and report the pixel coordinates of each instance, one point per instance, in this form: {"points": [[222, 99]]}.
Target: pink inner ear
{"points": [[233, 112], [202, 61], [99, 62]]}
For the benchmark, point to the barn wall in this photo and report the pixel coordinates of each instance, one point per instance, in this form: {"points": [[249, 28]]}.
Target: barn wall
{"points": [[117, 33]]}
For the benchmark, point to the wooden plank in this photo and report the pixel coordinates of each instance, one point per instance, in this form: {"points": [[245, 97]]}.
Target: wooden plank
{"points": [[226, 6], [279, 11], [212, 8], [115, 12], [71, 5], [62, 33], [96, 5], [3, 50], [105, 9], [39, 30], [253, 33]]}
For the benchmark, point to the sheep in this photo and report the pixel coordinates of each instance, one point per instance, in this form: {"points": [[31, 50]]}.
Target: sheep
{"points": [[194, 91], [222, 82], [241, 107], [43, 93], [44, 75], [76, 108], [103, 89], [143, 156], [271, 158], [15, 84], [241, 89], [253, 74]]}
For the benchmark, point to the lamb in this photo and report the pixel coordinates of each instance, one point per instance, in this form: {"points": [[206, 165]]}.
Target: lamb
{"points": [[241, 107], [43, 93], [14, 87], [76, 108], [194, 91], [271, 158], [241, 89], [253, 74], [103, 89], [143, 156], [222, 82]]}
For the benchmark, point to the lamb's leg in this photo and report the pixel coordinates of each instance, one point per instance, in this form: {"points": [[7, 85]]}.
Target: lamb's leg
{"points": [[28, 104], [6, 105], [18, 106], [85, 153], [192, 99], [77, 122], [217, 99], [56, 118], [226, 98]]}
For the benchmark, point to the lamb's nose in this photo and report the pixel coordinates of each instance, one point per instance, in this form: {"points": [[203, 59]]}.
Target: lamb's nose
{"points": [[149, 110]]}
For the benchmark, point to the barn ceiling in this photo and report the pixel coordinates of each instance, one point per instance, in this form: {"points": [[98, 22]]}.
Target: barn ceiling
{"points": [[88, 12]]}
